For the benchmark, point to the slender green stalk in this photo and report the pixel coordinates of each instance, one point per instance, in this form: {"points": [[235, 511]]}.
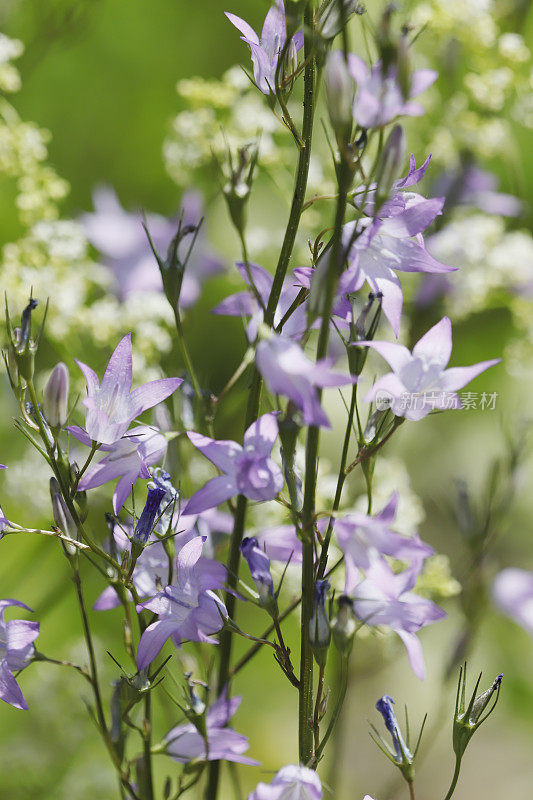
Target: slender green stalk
{"points": [[411, 790], [90, 650], [337, 710], [186, 355], [455, 778]]}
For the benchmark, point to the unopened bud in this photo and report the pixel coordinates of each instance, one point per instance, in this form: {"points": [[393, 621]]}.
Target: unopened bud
{"points": [[333, 16], [55, 397], [319, 627], [390, 165], [340, 89], [468, 719], [343, 626]]}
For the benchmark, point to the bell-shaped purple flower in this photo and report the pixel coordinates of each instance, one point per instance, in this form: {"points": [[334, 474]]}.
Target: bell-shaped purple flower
{"points": [[288, 371], [266, 50], [379, 98], [292, 782], [16, 650], [188, 609], [128, 459], [185, 743], [259, 564], [112, 405], [420, 382], [248, 469]]}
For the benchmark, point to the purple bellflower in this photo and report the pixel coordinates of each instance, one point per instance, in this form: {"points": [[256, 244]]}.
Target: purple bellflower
{"points": [[292, 782], [288, 371], [245, 304], [386, 245], [188, 609], [184, 743], [248, 469], [420, 382], [16, 650], [281, 543], [379, 98], [472, 186], [385, 598], [266, 50], [111, 405], [259, 564], [120, 238], [127, 459], [512, 592], [364, 540]]}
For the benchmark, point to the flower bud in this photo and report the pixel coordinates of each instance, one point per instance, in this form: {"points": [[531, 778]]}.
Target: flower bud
{"points": [[319, 627], [23, 347], [239, 185], [340, 90], [343, 626], [467, 721], [400, 753], [259, 564], [55, 397], [145, 523], [333, 16]]}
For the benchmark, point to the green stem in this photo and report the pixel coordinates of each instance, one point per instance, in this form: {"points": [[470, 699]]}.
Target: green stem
{"points": [[411, 790], [338, 708], [455, 778], [186, 355], [90, 650]]}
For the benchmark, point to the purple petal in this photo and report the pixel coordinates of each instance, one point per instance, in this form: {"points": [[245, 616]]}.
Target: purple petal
{"points": [[241, 304], [414, 175], [414, 653], [119, 371], [241, 25], [216, 491], [396, 355], [152, 641], [435, 346], [274, 30], [512, 592], [9, 689], [90, 376], [415, 219], [222, 710], [222, 453], [457, 377], [152, 393], [421, 80], [107, 600], [262, 434]]}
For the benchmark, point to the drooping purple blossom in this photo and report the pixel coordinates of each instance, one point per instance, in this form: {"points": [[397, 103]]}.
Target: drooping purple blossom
{"points": [[184, 743], [189, 609], [378, 248], [245, 304], [379, 98], [288, 371], [385, 598], [366, 539], [265, 50], [512, 592], [292, 782], [259, 565], [16, 650], [112, 405], [280, 543], [120, 238], [420, 382], [248, 469], [128, 459]]}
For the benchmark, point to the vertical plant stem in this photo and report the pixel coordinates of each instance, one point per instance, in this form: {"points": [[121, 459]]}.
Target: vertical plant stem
{"points": [[412, 790], [302, 173], [455, 778], [90, 650]]}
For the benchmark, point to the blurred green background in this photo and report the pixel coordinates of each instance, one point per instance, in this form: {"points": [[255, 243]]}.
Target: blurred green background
{"points": [[101, 76]]}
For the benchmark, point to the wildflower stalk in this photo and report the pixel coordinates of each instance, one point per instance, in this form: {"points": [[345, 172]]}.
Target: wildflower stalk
{"points": [[455, 778], [254, 398], [336, 711]]}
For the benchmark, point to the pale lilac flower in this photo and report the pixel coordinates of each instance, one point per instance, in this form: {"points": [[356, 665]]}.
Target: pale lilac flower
{"points": [[121, 239], [383, 246], [248, 469], [385, 598], [245, 304], [364, 539], [472, 186], [265, 51], [188, 609], [112, 405], [281, 543], [288, 371], [259, 565], [292, 782], [420, 382], [379, 98], [184, 743], [128, 459], [16, 651], [512, 592]]}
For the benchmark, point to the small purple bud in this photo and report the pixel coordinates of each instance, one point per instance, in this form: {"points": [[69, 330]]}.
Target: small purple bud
{"points": [[319, 627], [340, 90], [384, 706], [145, 524], [259, 564], [55, 398]]}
